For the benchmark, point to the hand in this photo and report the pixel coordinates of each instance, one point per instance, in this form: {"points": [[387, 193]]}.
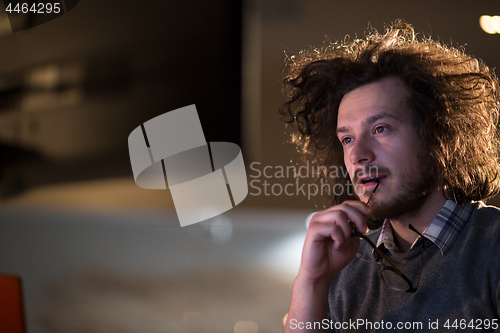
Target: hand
{"points": [[329, 245]]}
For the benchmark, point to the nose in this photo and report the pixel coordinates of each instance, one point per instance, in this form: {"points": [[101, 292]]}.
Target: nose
{"points": [[361, 152]]}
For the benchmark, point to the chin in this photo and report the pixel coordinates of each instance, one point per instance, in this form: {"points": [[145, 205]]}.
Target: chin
{"points": [[400, 207], [374, 223]]}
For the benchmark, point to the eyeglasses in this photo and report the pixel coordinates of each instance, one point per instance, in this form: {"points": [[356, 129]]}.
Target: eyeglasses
{"points": [[389, 273]]}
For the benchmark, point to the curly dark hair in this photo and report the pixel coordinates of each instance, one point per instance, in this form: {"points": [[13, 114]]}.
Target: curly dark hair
{"points": [[454, 103]]}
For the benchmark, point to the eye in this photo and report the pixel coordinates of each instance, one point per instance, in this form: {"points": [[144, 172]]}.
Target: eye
{"points": [[346, 140], [380, 129]]}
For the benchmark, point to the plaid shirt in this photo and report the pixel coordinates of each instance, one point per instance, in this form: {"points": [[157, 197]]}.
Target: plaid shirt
{"points": [[443, 230]]}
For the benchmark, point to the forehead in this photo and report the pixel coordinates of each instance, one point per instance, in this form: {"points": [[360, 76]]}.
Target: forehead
{"points": [[386, 97]]}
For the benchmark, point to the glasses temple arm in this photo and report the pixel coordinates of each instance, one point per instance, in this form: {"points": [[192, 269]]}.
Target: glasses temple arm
{"points": [[379, 252]]}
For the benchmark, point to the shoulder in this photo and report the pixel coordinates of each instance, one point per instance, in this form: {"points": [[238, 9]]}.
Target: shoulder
{"points": [[484, 239], [485, 217], [482, 231], [485, 209]]}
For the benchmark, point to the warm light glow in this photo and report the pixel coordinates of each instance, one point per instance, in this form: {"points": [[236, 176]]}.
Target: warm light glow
{"points": [[308, 219], [284, 319], [193, 320], [490, 24], [246, 326], [285, 256]]}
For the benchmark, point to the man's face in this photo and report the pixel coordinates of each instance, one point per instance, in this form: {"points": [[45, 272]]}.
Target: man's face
{"points": [[379, 140]]}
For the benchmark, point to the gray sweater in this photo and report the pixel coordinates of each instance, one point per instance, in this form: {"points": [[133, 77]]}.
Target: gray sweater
{"points": [[458, 291]]}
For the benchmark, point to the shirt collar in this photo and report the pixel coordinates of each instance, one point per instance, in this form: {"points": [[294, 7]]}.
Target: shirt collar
{"points": [[443, 230]]}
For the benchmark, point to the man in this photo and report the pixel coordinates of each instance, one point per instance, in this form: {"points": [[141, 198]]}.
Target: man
{"points": [[415, 124]]}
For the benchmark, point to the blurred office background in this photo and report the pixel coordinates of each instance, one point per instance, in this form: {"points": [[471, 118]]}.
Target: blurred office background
{"points": [[95, 252]]}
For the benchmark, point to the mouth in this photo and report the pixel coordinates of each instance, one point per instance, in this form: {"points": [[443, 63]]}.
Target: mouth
{"points": [[371, 180]]}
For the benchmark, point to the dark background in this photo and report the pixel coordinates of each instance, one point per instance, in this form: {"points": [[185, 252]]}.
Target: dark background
{"points": [[136, 60]]}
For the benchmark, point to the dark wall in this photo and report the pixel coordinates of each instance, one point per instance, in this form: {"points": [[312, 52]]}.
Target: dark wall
{"points": [[137, 60]]}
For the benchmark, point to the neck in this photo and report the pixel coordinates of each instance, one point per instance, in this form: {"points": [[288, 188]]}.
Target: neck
{"points": [[403, 236]]}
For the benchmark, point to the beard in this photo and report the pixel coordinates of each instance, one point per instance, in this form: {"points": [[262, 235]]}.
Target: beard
{"points": [[407, 201]]}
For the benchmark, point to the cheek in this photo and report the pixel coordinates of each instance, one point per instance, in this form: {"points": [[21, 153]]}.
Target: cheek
{"points": [[348, 169], [409, 161]]}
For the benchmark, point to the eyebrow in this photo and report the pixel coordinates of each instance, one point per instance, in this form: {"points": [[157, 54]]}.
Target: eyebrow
{"points": [[369, 120]]}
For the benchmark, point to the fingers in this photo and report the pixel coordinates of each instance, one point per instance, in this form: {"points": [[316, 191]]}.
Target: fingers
{"points": [[329, 245], [350, 211], [319, 232], [340, 235], [337, 222]]}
